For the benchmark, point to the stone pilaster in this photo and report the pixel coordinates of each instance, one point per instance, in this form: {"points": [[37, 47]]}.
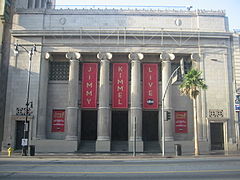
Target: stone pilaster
{"points": [[42, 106], [73, 96], [166, 73], [135, 102], [103, 143]]}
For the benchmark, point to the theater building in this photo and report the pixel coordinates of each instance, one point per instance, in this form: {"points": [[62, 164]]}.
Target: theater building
{"points": [[98, 78]]}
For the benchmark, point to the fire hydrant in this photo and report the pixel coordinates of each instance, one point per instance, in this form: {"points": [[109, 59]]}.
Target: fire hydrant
{"points": [[10, 150]]}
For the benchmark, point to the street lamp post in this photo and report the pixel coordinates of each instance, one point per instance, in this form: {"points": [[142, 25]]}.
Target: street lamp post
{"points": [[181, 67], [163, 117], [25, 143]]}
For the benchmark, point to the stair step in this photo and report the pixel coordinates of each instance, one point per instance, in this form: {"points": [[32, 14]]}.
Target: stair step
{"points": [[152, 146], [119, 146], [87, 146]]}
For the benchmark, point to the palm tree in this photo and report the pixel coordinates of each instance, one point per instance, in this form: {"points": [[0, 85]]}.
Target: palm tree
{"points": [[191, 86]]}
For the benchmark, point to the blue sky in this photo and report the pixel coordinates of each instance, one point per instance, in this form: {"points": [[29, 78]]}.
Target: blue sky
{"points": [[232, 7]]}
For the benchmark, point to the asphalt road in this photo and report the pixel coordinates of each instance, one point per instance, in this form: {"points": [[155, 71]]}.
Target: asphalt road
{"points": [[181, 168]]}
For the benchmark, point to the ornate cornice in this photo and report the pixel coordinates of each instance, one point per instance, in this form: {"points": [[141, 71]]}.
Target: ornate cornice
{"points": [[48, 56], [73, 55], [195, 57], [104, 56], [146, 11], [135, 56], [164, 56]]}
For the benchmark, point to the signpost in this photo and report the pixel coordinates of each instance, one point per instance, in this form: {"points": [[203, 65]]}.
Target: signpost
{"points": [[24, 142]]}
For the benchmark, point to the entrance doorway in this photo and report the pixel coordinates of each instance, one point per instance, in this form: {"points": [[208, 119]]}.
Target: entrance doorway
{"points": [[150, 125], [119, 125], [217, 136], [19, 134], [150, 131], [89, 126], [119, 133], [88, 131]]}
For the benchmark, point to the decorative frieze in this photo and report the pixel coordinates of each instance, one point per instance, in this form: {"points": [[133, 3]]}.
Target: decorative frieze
{"points": [[215, 113], [20, 111]]}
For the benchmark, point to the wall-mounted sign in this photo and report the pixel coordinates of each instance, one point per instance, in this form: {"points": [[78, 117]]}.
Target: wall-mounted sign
{"points": [[58, 120], [120, 85], [181, 125], [89, 85], [150, 86]]}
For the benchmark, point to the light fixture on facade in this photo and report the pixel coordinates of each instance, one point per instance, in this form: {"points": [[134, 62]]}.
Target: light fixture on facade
{"points": [[214, 59]]}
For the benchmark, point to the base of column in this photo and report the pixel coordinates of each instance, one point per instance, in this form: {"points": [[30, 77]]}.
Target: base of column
{"points": [[202, 139], [71, 138], [41, 137], [103, 146], [139, 146], [169, 138]]}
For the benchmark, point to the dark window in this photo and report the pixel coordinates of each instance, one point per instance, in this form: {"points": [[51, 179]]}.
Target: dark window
{"points": [[58, 71], [187, 67]]}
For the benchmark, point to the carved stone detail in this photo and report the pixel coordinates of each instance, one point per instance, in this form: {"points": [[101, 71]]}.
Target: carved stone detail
{"points": [[135, 56]]}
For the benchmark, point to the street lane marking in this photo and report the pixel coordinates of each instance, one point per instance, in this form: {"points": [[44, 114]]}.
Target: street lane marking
{"points": [[84, 165], [140, 172]]}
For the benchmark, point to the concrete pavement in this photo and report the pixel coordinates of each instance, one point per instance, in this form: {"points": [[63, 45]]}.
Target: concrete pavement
{"points": [[111, 156], [214, 168]]}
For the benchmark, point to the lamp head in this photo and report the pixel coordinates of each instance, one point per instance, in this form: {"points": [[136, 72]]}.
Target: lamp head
{"points": [[34, 48], [15, 48]]}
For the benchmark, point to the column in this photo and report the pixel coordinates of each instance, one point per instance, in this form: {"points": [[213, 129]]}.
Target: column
{"points": [[38, 4], [135, 102], [166, 73], [73, 94], [31, 4], [42, 106], [43, 3], [103, 143]]}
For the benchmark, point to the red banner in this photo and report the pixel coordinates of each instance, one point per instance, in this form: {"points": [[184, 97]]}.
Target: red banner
{"points": [[181, 122], [58, 119], [150, 86], [89, 85], [120, 85]]}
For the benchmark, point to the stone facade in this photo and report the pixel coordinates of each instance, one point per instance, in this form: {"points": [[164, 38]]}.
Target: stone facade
{"points": [[66, 39], [6, 11]]}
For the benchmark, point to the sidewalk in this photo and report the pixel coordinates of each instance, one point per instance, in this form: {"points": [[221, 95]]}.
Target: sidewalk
{"points": [[110, 156]]}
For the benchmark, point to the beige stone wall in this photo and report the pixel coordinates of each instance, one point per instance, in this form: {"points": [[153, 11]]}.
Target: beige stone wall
{"points": [[17, 88], [118, 19], [57, 99]]}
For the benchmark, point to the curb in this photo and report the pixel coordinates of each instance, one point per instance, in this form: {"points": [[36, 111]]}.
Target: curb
{"points": [[104, 156]]}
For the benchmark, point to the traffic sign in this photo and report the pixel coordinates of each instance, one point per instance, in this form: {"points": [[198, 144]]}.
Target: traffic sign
{"points": [[24, 142], [237, 107]]}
